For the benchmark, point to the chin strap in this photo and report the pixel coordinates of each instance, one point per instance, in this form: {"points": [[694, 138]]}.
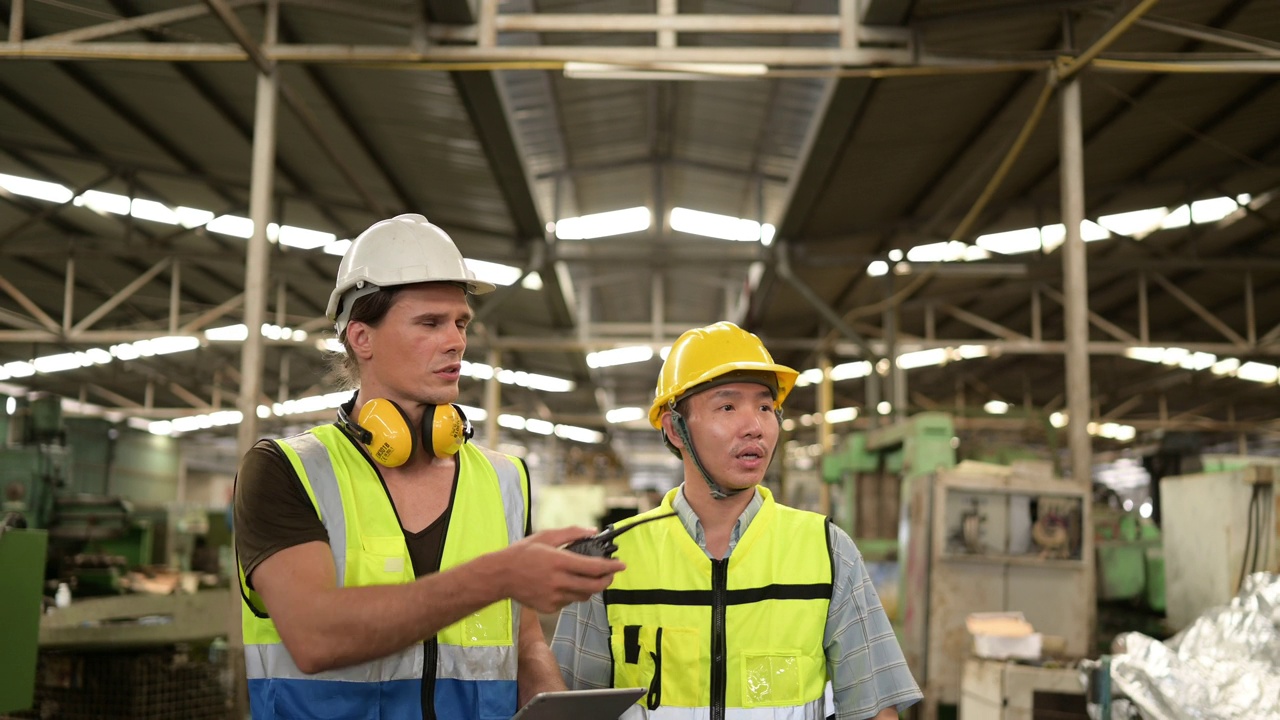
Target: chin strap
{"points": [[682, 431]]}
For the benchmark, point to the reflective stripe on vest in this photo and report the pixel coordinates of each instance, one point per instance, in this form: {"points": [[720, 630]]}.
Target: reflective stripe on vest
{"points": [[743, 634], [475, 665]]}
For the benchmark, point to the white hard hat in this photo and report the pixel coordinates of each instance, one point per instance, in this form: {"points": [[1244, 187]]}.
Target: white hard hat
{"points": [[403, 250]]}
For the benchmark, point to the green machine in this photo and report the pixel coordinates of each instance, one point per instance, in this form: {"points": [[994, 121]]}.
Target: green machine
{"points": [[92, 539], [22, 558], [875, 472], [1130, 558]]}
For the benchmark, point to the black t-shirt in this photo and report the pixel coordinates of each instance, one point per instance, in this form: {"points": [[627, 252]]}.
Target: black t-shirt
{"points": [[273, 512]]}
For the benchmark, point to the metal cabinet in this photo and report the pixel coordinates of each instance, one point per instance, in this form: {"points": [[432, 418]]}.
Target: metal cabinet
{"points": [[1217, 527], [984, 539]]}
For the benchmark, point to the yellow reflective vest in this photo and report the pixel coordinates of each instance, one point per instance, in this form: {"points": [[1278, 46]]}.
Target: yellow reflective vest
{"points": [[469, 669], [742, 636]]}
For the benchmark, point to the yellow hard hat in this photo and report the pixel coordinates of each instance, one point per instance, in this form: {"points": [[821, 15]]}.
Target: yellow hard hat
{"points": [[704, 354]]}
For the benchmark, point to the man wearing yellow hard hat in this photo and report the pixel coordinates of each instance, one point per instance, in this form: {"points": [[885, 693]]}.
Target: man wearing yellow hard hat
{"points": [[732, 606]]}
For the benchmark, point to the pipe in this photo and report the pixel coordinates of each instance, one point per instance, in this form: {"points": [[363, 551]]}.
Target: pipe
{"points": [[783, 266]]}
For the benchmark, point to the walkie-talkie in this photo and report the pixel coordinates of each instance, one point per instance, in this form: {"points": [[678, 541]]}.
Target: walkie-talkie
{"points": [[602, 545]]}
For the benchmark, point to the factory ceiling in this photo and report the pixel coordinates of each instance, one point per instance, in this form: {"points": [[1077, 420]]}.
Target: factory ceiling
{"points": [[883, 177]]}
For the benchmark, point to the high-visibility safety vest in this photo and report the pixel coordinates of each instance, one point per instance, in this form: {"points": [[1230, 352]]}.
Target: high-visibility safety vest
{"points": [[742, 636], [467, 671]]}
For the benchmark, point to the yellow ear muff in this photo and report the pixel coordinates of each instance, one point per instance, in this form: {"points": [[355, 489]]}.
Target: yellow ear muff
{"points": [[447, 428], [392, 441]]}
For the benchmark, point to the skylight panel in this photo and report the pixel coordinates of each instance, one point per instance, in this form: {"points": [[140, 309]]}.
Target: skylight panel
{"points": [[605, 224], [721, 227]]}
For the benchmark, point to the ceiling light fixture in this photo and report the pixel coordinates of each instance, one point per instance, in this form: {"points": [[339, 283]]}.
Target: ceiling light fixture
{"points": [[664, 71]]}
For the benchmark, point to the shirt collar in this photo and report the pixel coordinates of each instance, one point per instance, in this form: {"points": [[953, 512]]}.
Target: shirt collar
{"points": [[693, 525]]}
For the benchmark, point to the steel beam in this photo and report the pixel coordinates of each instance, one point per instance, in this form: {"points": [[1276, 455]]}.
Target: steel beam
{"points": [[124, 294], [29, 305], [492, 58], [1217, 36], [656, 23], [294, 101], [1095, 319], [1199, 310], [783, 267], [148, 21]]}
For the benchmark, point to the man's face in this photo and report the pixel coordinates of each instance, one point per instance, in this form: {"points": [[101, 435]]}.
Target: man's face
{"points": [[734, 430], [415, 353]]}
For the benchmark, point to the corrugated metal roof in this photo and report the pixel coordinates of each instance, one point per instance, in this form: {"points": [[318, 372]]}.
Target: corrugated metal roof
{"points": [[896, 165]]}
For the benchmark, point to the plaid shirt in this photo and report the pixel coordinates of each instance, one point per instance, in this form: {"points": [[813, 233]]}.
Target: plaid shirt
{"points": [[867, 669]]}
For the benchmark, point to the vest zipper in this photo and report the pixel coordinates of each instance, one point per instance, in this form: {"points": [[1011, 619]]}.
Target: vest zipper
{"points": [[719, 663], [430, 649]]}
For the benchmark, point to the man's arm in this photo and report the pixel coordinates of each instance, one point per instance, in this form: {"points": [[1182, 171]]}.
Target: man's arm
{"points": [[581, 645], [326, 627], [538, 671], [869, 675]]}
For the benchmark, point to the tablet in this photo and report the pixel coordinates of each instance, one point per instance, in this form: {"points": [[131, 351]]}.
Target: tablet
{"points": [[607, 704]]}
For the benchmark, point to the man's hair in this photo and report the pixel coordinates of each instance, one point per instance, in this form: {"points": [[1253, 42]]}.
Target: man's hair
{"points": [[370, 310]]}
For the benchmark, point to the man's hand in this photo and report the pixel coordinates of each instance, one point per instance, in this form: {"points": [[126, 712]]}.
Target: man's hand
{"points": [[540, 575]]}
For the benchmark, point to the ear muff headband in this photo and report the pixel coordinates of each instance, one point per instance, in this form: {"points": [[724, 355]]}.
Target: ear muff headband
{"points": [[364, 436]]}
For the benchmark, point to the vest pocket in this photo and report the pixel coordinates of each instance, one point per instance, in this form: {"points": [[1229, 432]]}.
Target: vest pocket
{"points": [[382, 561], [771, 679], [664, 660], [488, 626]]}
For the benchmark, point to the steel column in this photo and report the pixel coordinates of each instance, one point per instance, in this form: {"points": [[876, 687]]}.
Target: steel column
{"points": [[258, 252], [657, 307], [826, 438], [175, 297], [16, 21], [1076, 285], [492, 400], [69, 295]]}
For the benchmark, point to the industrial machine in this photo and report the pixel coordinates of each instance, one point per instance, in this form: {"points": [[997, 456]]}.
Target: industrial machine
{"points": [[1218, 526], [22, 553], [988, 538], [961, 539], [93, 539], [1130, 558], [874, 471]]}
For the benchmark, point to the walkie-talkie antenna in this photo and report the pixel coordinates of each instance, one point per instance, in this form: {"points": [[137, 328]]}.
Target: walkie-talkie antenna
{"points": [[602, 545]]}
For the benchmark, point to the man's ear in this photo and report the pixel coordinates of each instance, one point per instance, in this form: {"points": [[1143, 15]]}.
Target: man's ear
{"points": [[360, 338], [672, 436]]}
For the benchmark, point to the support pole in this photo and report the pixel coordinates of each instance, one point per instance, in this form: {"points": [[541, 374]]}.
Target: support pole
{"points": [[258, 255], [16, 20], [175, 296], [69, 296], [1075, 281], [1076, 308], [492, 400], [826, 401], [257, 259]]}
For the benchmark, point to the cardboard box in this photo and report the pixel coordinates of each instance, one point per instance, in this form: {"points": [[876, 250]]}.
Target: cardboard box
{"points": [[1004, 635]]}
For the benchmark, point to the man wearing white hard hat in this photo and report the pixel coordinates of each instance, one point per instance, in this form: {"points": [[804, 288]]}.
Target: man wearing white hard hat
{"points": [[386, 563]]}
